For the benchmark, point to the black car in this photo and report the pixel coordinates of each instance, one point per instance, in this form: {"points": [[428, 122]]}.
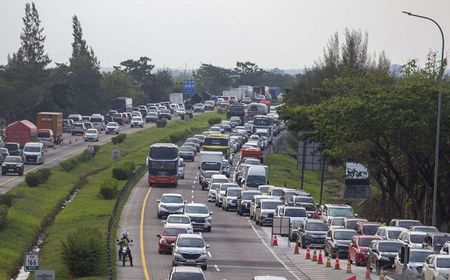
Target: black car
{"points": [[165, 114], [13, 149], [312, 233], [382, 253], [244, 201], [186, 153], [13, 164], [337, 242]]}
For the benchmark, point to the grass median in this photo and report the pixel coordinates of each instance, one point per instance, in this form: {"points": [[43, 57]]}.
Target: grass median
{"points": [[32, 206]]}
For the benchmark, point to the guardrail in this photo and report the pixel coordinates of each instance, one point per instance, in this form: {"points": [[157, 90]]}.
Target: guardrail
{"points": [[112, 218]]}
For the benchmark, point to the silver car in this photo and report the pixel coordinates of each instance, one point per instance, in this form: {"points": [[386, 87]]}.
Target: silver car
{"points": [[200, 216], [170, 203], [190, 249]]}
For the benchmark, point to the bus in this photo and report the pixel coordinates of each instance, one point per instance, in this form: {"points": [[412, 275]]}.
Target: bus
{"points": [[122, 104], [162, 162], [219, 143], [263, 121], [254, 109]]}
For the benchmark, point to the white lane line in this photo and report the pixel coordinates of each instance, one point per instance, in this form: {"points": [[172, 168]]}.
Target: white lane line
{"points": [[192, 200], [273, 253], [194, 181], [193, 186], [217, 268], [209, 254], [195, 178], [192, 196], [200, 233], [192, 191]]}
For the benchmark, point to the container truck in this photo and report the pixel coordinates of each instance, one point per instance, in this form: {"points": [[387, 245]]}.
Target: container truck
{"points": [[210, 164], [50, 131], [21, 132], [235, 93], [122, 104]]}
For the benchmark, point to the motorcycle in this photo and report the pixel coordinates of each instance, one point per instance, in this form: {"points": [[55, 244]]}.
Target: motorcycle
{"points": [[124, 252]]}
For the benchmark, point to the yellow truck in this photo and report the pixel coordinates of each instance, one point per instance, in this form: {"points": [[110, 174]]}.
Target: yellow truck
{"points": [[218, 142]]}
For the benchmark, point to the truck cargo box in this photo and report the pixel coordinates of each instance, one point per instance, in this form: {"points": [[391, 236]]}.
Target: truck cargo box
{"points": [[21, 132]]}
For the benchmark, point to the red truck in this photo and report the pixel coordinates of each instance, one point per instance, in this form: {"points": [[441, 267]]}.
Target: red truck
{"points": [[21, 132]]}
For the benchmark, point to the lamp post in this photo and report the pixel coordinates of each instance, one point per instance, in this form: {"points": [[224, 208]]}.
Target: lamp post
{"points": [[438, 122]]}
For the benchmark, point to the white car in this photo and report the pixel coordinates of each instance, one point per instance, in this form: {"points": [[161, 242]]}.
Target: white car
{"points": [[436, 267], [137, 122], [215, 130], [33, 152], [181, 167], [136, 114], [91, 135], [112, 128], [179, 219], [170, 203]]}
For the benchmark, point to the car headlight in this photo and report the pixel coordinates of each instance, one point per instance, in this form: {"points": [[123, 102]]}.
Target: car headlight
{"points": [[208, 219], [162, 206]]}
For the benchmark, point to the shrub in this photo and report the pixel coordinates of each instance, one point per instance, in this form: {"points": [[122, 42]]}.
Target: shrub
{"points": [[191, 116], [129, 167], [178, 136], [32, 179], [68, 165], [6, 199], [118, 138], [123, 172], [214, 121], [3, 216], [83, 252], [161, 123], [108, 189], [44, 174]]}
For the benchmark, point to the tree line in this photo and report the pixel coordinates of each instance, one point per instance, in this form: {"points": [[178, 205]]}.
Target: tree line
{"points": [[363, 112]]}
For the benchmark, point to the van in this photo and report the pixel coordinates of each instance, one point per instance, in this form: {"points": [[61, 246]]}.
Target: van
{"points": [[98, 121], [75, 117], [46, 137], [256, 175], [33, 152]]}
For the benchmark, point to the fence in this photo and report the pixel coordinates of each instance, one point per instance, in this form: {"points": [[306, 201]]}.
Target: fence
{"points": [[112, 218]]}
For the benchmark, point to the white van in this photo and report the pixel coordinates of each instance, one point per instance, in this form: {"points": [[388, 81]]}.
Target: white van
{"points": [[33, 152], [75, 117], [256, 175], [98, 121]]}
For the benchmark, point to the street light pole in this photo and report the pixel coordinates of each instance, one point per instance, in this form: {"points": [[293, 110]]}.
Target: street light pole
{"points": [[438, 122]]}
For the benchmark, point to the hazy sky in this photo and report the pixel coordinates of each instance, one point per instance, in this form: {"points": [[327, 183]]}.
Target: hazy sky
{"points": [[184, 33]]}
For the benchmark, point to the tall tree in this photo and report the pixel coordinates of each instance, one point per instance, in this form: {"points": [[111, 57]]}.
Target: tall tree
{"points": [[248, 73], [213, 79], [140, 69]]}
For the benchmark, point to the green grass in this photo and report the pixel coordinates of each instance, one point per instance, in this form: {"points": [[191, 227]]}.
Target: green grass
{"points": [[32, 206], [283, 171]]}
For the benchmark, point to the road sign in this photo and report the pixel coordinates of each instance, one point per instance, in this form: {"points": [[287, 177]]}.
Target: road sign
{"points": [[186, 117], [116, 154], [189, 86], [44, 275], [281, 226], [31, 262]]}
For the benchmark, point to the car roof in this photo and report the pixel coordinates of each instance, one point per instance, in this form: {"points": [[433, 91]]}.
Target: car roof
{"points": [[178, 215], [338, 205], [187, 269], [273, 199], [390, 241], [171, 194], [190, 235], [219, 176], [175, 226], [442, 256], [393, 228], [267, 277], [195, 204], [315, 221], [343, 229]]}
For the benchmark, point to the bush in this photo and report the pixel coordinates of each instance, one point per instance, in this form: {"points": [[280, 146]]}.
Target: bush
{"points": [[123, 172], [6, 199], [3, 216], [191, 116], [68, 165], [161, 123], [178, 136], [33, 179], [108, 189], [214, 121], [83, 252], [118, 138]]}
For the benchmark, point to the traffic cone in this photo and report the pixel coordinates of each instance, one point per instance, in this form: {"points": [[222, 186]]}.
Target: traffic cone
{"points": [[368, 272], [274, 240], [349, 265], [328, 264], [337, 265], [320, 259], [296, 249], [308, 253], [314, 258]]}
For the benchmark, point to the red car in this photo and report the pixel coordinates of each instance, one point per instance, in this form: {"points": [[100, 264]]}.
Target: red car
{"points": [[168, 236], [358, 247], [367, 228]]}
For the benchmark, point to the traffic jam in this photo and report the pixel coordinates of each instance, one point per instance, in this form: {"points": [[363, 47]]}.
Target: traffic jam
{"points": [[232, 171]]}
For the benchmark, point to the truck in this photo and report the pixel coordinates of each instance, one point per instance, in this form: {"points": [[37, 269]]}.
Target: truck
{"points": [[236, 110], [21, 132], [50, 131], [235, 93], [122, 104], [176, 98], [210, 164]]}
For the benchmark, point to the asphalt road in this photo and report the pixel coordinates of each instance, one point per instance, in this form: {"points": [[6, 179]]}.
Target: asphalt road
{"points": [[72, 146]]}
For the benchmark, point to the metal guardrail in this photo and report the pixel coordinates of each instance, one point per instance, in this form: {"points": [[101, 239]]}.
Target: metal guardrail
{"points": [[113, 217]]}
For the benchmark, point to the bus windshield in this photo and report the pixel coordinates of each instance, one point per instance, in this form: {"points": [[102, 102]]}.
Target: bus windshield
{"points": [[216, 141], [163, 152]]}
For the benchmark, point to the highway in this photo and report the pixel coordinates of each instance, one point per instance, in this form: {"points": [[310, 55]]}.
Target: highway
{"points": [[238, 249], [72, 146]]}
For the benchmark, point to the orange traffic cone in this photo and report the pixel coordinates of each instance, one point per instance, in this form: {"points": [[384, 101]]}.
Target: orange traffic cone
{"points": [[308, 253], [319, 259], [296, 249], [349, 265], [336, 265], [328, 264], [274, 240], [314, 258], [367, 272]]}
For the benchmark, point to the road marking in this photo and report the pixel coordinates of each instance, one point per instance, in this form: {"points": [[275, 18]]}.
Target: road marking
{"points": [[209, 254], [193, 186], [195, 178], [194, 181], [192, 196], [217, 268], [141, 236], [273, 253], [192, 191]]}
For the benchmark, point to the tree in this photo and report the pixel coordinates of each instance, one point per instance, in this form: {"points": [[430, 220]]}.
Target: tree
{"points": [[140, 70], [159, 86], [248, 73], [213, 79], [120, 83]]}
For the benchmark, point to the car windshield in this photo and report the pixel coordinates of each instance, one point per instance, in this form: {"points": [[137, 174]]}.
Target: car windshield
{"points": [[344, 235], [337, 222], [215, 186], [264, 121], [173, 231], [96, 120], [178, 220], [365, 242], [270, 205], [351, 224], [370, 229], [408, 224], [137, 119], [393, 234], [264, 189], [43, 134], [418, 256], [224, 187], [234, 193], [390, 246], [277, 192], [11, 147], [112, 124], [248, 196], [440, 240], [32, 149], [426, 229], [256, 180], [340, 212], [216, 141], [190, 242], [295, 212], [211, 166], [306, 199], [252, 161], [316, 227], [186, 149], [12, 159], [442, 262], [309, 207], [172, 199], [417, 238], [197, 209], [91, 131]]}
